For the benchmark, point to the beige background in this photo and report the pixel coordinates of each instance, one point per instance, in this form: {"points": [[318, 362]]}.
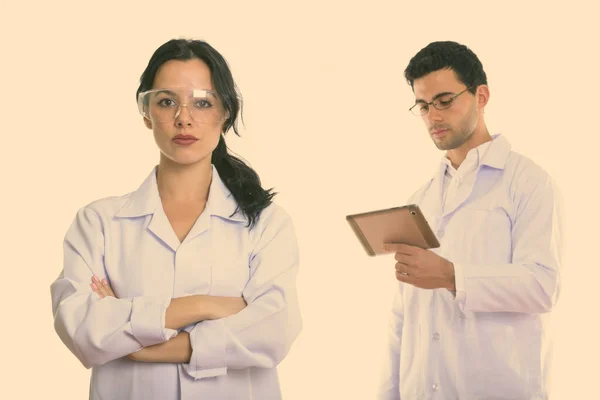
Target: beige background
{"points": [[326, 123]]}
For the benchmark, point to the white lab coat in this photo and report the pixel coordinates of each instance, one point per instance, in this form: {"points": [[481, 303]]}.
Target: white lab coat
{"points": [[129, 240], [501, 228]]}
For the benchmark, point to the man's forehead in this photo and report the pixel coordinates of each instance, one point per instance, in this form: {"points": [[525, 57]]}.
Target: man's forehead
{"points": [[435, 83]]}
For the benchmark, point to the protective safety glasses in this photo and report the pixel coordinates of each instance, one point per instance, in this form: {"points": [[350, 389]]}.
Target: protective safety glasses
{"points": [[166, 105]]}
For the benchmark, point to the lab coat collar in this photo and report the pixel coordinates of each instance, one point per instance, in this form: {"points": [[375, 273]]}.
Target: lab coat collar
{"points": [[146, 200], [497, 154]]}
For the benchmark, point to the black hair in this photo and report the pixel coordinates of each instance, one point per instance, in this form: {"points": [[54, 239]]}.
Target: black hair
{"points": [[241, 180], [447, 55]]}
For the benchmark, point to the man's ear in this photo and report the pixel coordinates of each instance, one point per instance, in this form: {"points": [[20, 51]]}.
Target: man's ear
{"points": [[482, 95]]}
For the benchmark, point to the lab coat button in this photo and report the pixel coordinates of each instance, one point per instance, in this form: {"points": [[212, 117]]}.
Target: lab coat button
{"points": [[435, 387], [436, 336]]}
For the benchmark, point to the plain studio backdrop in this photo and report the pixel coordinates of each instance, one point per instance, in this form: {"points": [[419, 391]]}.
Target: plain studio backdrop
{"points": [[326, 124]]}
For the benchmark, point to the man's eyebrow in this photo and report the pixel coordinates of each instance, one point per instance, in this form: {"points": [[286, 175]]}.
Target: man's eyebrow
{"points": [[434, 97]]}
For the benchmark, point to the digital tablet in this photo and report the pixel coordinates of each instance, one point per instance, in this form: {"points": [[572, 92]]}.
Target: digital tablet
{"points": [[404, 224]]}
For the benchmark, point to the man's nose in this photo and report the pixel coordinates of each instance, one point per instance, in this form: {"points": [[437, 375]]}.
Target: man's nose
{"points": [[433, 114]]}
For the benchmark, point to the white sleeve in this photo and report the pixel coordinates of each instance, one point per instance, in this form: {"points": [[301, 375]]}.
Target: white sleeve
{"points": [[389, 387], [98, 330], [531, 283], [262, 334]]}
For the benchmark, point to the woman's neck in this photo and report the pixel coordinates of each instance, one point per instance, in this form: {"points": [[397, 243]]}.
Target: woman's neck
{"points": [[184, 183]]}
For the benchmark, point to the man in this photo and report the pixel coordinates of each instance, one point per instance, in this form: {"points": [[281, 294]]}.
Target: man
{"points": [[469, 319]]}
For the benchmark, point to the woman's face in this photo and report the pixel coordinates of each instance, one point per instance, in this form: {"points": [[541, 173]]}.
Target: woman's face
{"points": [[186, 118]]}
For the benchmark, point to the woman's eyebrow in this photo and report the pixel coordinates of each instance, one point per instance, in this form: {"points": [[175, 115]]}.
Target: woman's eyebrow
{"points": [[165, 91]]}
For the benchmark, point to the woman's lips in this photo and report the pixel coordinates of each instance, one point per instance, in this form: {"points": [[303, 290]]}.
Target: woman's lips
{"points": [[184, 140]]}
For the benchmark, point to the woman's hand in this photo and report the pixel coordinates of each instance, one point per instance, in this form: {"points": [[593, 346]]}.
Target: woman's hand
{"points": [[177, 350], [102, 288], [223, 307], [216, 307]]}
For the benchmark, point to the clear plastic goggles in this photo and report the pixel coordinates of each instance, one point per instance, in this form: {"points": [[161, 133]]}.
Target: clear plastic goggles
{"points": [[166, 105]]}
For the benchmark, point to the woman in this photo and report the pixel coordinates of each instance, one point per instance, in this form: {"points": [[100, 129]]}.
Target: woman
{"points": [[184, 288]]}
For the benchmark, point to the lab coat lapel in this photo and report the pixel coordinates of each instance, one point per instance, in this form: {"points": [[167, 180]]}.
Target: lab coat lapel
{"points": [[462, 195], [220, 203], [495, 157], [162, 229], [431, 203]]}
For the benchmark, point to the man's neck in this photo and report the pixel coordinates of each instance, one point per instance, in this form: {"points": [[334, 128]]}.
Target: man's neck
{"points": [[458, 155]]}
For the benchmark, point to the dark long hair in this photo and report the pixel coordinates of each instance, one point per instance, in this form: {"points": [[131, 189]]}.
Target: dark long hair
{"points": [[241, 180]]}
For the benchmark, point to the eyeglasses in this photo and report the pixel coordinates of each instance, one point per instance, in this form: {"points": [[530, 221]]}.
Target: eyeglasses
{"points": [[165, 105], [441, 103]]}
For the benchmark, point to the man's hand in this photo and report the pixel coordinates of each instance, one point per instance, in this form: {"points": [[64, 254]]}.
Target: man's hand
{"points": [[422, 268]]}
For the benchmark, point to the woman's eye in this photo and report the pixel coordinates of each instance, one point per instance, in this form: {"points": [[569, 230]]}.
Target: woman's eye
{"points": [[166, 103], [202, 103]]}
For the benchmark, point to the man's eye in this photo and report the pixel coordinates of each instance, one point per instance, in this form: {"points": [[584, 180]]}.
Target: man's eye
{"points": [[444, 101]]}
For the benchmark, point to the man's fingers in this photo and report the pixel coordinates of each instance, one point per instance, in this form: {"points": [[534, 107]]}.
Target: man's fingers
{"points": [[406, 270], [405, 278], [400, 248], [404, 258], [402, 268]]}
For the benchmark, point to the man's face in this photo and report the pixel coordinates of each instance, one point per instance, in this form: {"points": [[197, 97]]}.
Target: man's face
{"points": [[452, 127]]}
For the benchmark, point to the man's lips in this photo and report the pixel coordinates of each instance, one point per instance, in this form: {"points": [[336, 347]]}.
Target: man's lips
{"points": [[439, 132]]}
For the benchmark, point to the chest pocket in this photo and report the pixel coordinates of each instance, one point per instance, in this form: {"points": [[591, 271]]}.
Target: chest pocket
{"points": [[230, 255], [215, 262], [481, 234], [229, 272]]}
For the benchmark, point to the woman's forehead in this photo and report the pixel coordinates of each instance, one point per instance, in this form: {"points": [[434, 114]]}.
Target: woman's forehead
{"points": [[184, 74]]}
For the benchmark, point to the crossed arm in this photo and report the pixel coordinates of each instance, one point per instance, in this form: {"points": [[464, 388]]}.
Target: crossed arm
{"points": [[256, 329], [181, 312]]}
